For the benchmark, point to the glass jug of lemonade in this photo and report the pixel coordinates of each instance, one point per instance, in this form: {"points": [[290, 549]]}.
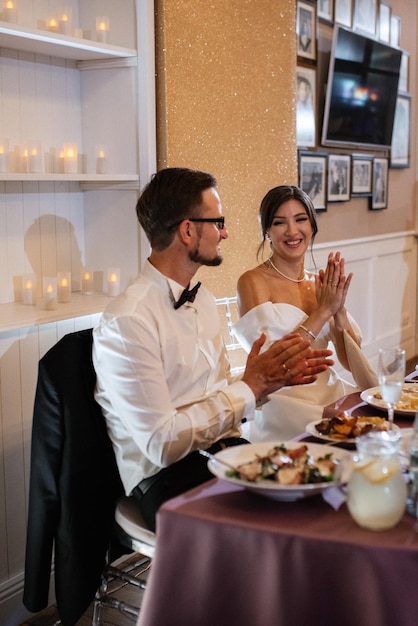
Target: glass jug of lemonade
{"points": [[376, 490]]}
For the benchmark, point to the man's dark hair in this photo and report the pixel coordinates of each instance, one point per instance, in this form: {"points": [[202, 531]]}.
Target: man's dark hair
{"points": [[172, 195]]}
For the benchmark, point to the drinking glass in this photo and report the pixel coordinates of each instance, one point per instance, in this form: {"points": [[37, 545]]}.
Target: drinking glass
{"points": [[391, 372]]}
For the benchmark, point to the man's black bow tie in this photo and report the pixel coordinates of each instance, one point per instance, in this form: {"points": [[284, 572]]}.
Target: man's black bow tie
{"points": [[188, 295]]}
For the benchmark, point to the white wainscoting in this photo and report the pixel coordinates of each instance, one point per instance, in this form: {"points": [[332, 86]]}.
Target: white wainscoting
{"points": [[382, 299]]}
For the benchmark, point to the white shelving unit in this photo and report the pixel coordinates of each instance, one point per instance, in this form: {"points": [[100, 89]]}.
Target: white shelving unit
{"points": [[90, 93], [15, 37]]}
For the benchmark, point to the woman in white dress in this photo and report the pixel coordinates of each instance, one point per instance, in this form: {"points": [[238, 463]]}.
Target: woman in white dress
{"points": [[279, 296]]}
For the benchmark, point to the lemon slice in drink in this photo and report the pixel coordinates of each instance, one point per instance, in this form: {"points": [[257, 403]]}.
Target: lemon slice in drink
{"points": [[379, 470], [360, 464]]}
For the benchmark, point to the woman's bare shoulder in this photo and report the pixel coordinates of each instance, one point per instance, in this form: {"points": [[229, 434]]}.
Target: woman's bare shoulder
{"points": [[254, 277], [252, 288]]}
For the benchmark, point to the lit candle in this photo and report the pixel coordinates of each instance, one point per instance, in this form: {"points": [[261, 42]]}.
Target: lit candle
{"points": [[52, 24], [59, 164], [9, 11], [113, 281], [70, 158], [64, 23], [50, 293], [64, 286], [34, 159], [102, 28], [4, 156], [24, 160], [87, 281], [29, 287], [101, 160]]}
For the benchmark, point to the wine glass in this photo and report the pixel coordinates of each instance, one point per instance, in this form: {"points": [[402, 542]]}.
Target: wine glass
{"points": [[391, 372]]}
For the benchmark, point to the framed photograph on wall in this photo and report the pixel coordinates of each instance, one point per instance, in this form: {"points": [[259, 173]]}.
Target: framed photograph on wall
{"points": [[404, 73], [339, 177], [312, 177], [306, 107], [361, 175], [379, 197], [325, 9], [306, 30], [364, 16], [399, 152], [383, 24], [395, 30], [342, 12]]}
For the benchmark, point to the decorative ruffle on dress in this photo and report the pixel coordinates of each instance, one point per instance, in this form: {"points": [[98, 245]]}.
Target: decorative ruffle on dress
{"points": [[291, 408]]}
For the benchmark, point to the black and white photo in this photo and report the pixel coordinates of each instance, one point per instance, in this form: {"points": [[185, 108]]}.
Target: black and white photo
{"points": [[325, 10], [306, 30], [305, 107], [395, 30], [343, 12], [400, 148], [339, 177], [384, 22], [312, 177], [379, 197], [361, 175], [404, 73], [365, 15]]}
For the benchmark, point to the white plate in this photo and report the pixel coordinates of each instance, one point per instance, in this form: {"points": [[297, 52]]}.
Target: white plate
{"points": [[236, 455], [311, 429], [368, 396]]}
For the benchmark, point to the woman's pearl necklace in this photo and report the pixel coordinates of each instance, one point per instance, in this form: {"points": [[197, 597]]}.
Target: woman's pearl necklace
{"points": [[293, 280]]}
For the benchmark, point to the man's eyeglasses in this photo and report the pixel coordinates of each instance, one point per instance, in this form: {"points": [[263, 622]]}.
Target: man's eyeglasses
{"points": [[218, 221]]}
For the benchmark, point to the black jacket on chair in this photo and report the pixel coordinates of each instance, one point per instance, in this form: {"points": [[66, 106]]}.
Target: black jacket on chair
{"points": [[74, 482]]}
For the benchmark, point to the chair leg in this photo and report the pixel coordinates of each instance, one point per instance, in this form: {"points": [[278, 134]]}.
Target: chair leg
{"points": [[97, 605], [103, 595], [113, 603]]}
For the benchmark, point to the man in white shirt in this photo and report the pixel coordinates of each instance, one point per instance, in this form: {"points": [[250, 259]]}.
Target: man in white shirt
{"points": [[163, 377]]}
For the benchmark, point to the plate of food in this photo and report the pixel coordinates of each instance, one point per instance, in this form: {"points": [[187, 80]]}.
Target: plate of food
{"points": [[408, 401], [286, 471], [345, 428]]}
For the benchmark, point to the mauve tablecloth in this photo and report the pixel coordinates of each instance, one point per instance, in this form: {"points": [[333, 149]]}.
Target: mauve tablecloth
{"points": [[227, 557]]}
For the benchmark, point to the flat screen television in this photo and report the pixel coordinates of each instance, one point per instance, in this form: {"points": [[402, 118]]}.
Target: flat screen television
{"points": [[361, 91]]}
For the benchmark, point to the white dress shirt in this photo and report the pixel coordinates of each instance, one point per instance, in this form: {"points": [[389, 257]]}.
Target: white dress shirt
{"points": [[163, 377]]}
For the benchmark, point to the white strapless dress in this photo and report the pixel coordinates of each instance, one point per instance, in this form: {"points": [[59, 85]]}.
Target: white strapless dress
{"points": [[291, 408]]}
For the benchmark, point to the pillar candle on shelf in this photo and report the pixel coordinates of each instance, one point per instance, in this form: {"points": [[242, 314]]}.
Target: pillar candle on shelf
{"points": [[102, 28], [4, 156], [59, 162], [9, 11], [113, 281], [70, 158], [50, 293], [24, 159], [52, 23], [101, 160], [29, 289], [65, 21], [34, 157], [87, 277], [64, 287]]}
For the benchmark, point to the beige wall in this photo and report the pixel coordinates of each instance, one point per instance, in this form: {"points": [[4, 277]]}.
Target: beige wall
{"points": [[226, 104]]}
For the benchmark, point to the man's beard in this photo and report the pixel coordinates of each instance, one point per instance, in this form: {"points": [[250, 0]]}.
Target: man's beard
{"points": [[196, 257]]}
